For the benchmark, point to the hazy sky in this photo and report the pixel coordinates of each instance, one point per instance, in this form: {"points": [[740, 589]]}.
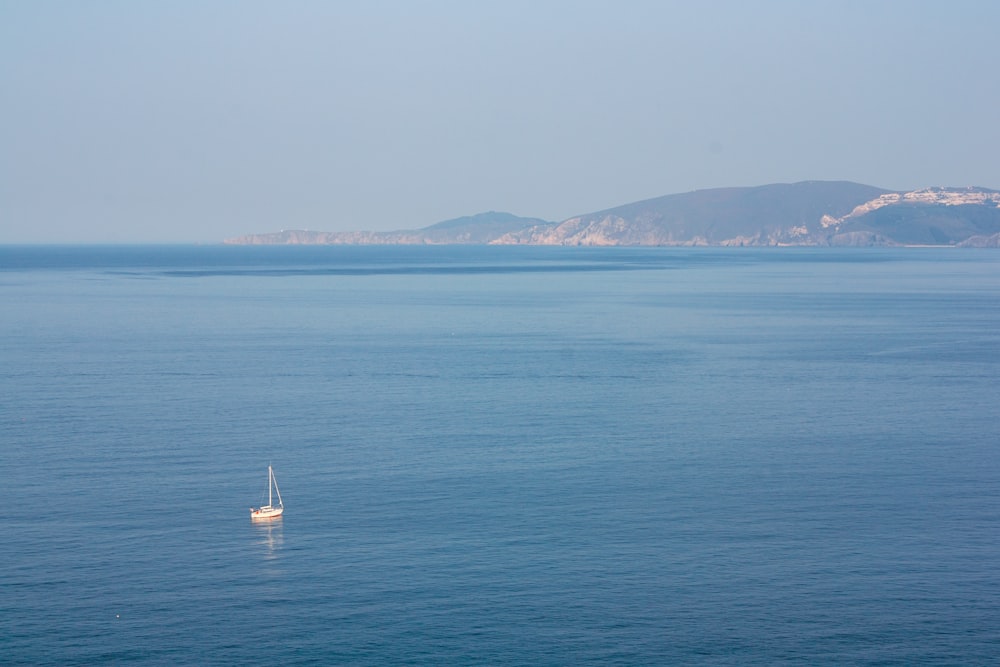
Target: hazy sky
{"points": [[196, 121]]}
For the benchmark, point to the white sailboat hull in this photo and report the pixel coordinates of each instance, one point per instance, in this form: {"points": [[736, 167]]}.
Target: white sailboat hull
{"points": [[266, 512]]}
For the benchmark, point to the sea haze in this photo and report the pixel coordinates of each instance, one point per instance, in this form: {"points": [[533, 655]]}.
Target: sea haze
{"points": [[535, 456]]}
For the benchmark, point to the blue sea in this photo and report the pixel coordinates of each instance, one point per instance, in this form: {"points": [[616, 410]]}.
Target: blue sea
{"points": [[500, 456]]}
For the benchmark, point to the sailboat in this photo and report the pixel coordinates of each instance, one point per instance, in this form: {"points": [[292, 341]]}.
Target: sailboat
{"points": [[269, 511]]}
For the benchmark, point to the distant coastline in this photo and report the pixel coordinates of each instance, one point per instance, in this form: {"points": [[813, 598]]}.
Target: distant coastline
{"points": [[809, 213]]}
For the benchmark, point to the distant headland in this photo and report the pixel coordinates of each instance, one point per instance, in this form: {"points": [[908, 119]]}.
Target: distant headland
{"points": [[809, 213]]}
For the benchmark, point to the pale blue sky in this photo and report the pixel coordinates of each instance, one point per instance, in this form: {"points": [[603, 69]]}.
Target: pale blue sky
{"points": [[196, 121]]}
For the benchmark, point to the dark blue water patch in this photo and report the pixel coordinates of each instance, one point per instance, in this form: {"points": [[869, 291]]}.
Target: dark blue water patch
{"points": [[405, 270]]}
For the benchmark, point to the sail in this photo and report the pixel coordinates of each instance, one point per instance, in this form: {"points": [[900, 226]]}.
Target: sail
{"points": [[273, 482]]}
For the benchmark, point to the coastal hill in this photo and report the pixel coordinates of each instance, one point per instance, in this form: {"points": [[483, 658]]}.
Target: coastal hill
{"points": [[810, 213], [478, 229]]}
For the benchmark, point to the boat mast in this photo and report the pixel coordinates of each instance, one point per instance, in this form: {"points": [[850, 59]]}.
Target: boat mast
{"points": [[270, 479]]}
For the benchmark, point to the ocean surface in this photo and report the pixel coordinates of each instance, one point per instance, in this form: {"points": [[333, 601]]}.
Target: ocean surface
{"points": [[500, 456]]}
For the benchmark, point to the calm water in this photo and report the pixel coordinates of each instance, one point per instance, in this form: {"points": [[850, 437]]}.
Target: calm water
{"points": [[500, 456]]}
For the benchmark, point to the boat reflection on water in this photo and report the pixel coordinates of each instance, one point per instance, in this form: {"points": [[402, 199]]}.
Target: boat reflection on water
{"points": [[270, 536]]}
